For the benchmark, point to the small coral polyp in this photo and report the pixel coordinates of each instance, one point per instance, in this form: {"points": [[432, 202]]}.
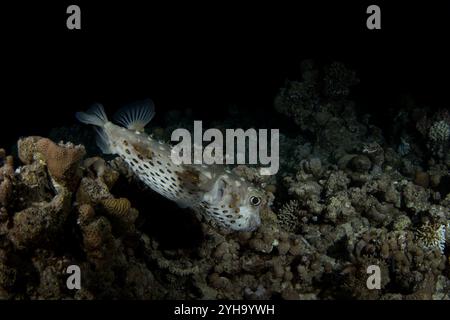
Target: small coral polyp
{"points": [[433, 235]]}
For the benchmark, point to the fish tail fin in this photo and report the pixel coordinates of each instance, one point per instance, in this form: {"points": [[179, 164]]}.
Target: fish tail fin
{"points": [[95, 115], [136, 116]]}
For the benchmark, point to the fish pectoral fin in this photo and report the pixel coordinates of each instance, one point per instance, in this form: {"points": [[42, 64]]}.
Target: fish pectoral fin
{"points": [[217, 192]]}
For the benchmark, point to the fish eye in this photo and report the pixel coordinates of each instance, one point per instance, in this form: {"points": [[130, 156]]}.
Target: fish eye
{"points": [[255, 201]]}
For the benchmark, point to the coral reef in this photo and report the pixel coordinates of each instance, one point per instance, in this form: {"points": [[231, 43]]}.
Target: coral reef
{"points": [[347, 197]]}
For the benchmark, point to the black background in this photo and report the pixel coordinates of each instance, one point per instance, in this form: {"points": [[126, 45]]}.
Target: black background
{"points": [[209, 54]]}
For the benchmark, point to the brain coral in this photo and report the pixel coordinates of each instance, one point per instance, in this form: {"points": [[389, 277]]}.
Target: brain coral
{"points": [[117, 207]]}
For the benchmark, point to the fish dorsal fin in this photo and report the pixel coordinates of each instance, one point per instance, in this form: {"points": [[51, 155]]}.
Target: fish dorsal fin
{"points": [[136, 115]]}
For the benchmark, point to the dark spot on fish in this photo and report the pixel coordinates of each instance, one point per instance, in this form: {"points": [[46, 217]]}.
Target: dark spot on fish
{"points": [[146, 166], [135, 160], [125, 142], [161, 170], [225, 211], [127, 151], [159, 162], [205, 204], [234, 201], [190, 178], [143, 150]]}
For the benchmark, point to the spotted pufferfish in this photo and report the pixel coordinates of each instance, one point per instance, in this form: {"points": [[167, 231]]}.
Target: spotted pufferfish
{"points": [[212, 191]]}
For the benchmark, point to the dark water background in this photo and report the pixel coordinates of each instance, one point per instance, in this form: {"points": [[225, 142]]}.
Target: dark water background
{"points": [[210, 54]]}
